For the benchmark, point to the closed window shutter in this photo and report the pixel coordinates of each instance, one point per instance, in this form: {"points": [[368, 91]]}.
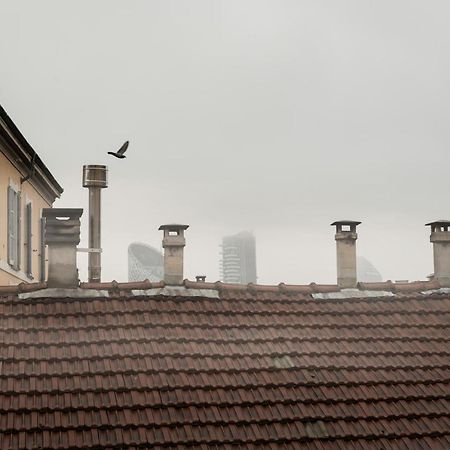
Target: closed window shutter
{"points": [[12, 227], [29, 236], [19, 234], [42, 251]]}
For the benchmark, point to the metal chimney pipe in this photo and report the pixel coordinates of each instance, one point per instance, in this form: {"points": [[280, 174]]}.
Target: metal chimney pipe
{"points": [[95, 178]]}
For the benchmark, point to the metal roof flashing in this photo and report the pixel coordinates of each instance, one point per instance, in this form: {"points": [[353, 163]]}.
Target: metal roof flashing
{"points": [[177, 291], [64, 293]]}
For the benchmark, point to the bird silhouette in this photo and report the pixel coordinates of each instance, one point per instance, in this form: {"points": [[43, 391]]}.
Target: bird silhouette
{"points": [[121, 151]]}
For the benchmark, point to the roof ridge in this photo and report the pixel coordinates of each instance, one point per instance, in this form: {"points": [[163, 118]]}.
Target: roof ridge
{"points": [[311, 288], [306, 300]]}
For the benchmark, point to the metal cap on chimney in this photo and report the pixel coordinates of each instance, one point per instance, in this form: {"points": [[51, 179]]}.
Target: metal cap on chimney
{"points": [[346, 237], [173, 244], [95, 175], [440, 238], [62, 235]]}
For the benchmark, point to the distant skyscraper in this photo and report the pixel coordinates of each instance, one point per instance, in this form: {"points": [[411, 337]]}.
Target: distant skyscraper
{"points": [[144, 262], [238, 263], [366, 271]]}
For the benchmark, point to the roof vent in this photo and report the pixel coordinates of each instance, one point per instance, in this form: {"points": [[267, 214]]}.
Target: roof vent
{"points": [[173, 244], [200, 278], [440, 237], [346, 252], [62, 235]]}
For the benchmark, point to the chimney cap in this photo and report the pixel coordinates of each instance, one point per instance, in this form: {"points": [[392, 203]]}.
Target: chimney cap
{"points": [[173, 227], [62, 212], [345, 222], [439, 223], [95, 175]]}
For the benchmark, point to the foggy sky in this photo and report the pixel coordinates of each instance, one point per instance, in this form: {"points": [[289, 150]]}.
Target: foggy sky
{"points": [[277, 117]]}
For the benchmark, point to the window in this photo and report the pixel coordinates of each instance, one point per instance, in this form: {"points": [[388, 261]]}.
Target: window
{"points": [[13, 228], [28, 241]]}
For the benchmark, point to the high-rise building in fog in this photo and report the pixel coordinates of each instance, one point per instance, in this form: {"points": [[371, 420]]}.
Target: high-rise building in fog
{"points": [[238, 263], [144, 262], [366, 271]]}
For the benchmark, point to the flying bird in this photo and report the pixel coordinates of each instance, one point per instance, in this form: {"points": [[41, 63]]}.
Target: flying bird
{"points": [[121, 151]]}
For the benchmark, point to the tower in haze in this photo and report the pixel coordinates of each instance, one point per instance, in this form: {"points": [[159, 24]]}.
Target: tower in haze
{"points": [[366, 271], [144, 262], [238, 263]]}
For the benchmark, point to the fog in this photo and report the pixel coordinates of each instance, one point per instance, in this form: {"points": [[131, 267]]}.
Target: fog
{"points": [[278, 117]]}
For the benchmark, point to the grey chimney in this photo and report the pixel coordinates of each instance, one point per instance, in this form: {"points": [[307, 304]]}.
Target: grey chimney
{"points": [[62, 235], [95, 178], [173, 244], [346, 252], [440, 237]]}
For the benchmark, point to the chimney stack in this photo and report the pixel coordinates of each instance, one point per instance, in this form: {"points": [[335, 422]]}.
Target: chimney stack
{"points": [[95, 177], [346, 253], [62, 235], [173, 244], [440, 237]]}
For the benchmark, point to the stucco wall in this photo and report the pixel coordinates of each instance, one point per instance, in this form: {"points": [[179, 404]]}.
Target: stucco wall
{"points": [[9, 174]]}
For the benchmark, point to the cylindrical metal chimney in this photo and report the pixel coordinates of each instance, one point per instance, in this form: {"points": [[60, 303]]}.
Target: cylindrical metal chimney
{"points": [[95, 178], [440, 237], [346, 252]]}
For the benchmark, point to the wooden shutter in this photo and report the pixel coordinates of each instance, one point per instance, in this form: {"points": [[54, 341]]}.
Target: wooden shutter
{"points": [[12, 227], [29, 243], [42, 251], [19, 234]]}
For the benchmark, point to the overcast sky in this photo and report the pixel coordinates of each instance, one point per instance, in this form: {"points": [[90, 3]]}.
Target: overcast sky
{"points": [[277, 117]]}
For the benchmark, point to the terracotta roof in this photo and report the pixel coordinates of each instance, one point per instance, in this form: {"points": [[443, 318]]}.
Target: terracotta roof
{"points": [[258, 366]]}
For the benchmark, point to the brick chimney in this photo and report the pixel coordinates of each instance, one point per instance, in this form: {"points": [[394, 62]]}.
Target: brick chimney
{"points": [[173, 244], [62, 235], [440, 237], [346, 252]]}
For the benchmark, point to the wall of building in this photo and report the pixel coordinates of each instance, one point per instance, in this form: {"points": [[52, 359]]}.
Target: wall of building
{"points": [[9, 174]]}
